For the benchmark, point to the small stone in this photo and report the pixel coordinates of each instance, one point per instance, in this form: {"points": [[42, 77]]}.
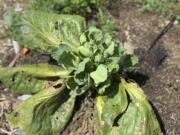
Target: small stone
{"points": [[176, 22], [16, 47], [24, 97]]}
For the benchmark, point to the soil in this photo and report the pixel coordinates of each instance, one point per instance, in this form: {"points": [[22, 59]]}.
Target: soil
{"points": [[82, 123], [158, 74]]}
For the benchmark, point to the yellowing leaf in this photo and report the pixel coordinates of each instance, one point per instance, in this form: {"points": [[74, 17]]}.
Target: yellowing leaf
{"points": [[46, 31], [114, 116], [45, 113], [43, 70], [28, 78], [108, 108], [139, 118]]}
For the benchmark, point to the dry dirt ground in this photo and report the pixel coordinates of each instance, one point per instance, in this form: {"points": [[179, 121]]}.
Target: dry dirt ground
{"points": [[158, 74], [7, 100], [161, 68]]}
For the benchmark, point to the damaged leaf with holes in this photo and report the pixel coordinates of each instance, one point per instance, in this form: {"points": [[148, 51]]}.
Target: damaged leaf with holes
{"points": [[30, 79], [86, 62], [47, 32], [50, 107]]}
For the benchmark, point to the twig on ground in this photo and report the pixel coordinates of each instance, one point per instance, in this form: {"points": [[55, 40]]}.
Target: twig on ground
{"points": [[3, 131], [7, 132], [23, 52], [13, 62]]}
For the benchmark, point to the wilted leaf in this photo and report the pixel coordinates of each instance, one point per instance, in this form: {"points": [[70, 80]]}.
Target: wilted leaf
{"points": [[109, 108], [45, 113], [136, 118], [29, 78], [139, 119], [43, 70], [49, 30]]}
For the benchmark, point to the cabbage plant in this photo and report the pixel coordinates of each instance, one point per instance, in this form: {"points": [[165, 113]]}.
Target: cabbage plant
{"points": [[89, 62]]}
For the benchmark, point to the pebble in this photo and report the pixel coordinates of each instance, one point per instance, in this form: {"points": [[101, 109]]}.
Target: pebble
{"points": [[24, 97]]}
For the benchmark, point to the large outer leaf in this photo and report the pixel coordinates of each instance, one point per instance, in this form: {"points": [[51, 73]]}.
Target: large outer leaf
{"points": [[46, 31], [113, 118], [139, 118], [45, 113], [109, 108], [29, 78]]}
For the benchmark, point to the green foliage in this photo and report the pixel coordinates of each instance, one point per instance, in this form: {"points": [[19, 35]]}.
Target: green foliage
{"points": [[100, 75], [93, 10], [162, 6], [89, 61], [104, 22], [45, 113], [47, 32], [94, 61], [108, 107], [21, 24], [12, 22], [113, 114], [28, 78], [178, 16], [145, 121], [80, 7]]}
